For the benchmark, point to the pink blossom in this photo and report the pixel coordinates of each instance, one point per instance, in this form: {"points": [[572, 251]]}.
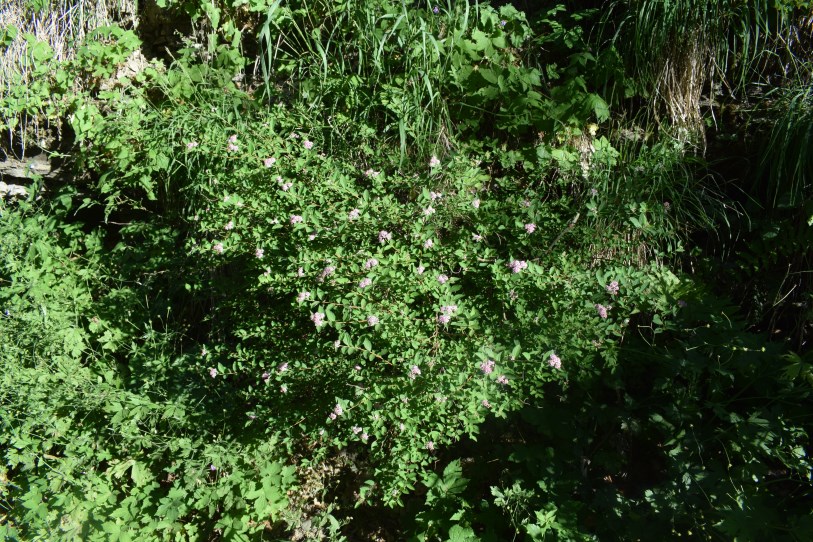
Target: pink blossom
{"points": [[518, 265], [266, 377], [435, 195], [283, 388], [332, 415], [612, 288], [371, 173], [326, 272], [308, 144], [384, 236], [357, 367], [442, 279], [296, 219], [554, 361], [356, 429], [259, 253], [233, 147], [337, 410], [530, 227], [602, 310], [369, 264], [429, 211], [300, 272], [434, 162], [286, 186], [420, 269], [311, 237], [213, 372], [448, 309], [414, 371], [444, 319], [269, 161], [486, 404], [354, 214], [318, 318], [502, 380], [191, 145], [337, 343], [487, 367], [526, 203], [476, 237], [282, 367], [233, 138], [372, 320], [428, 243], [365, 282], [218, 247], [364, 437], [475, 203], [229, 225], [430, 446]]}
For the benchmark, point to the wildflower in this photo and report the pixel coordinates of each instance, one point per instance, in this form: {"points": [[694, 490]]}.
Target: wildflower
{"points": [[371, 173], [487, 367], [212, 468], [300, 272], [203, 352], [434, 162], [337, 410], [448, 309], [191, 145], [266, 377], [428, 243], [356, 429], [283, 388], [530, 227], [430, 446], [593, 192], [311, 237], [369, 264], [384, 236], [318, 318], [602, 311], [420, 269], [414, 371], [476, 237], [259, 253], [332, 416], [485, 403], [526, 203], [308, 144], [435, 195], [357, 367], [429, 211], [269, 161], [518, 265], [372, 320], [282, 367], [364, 437], [502, 380], [365, 282], [213, 372], [503, 23], [296, 219], [666, 205], [612, 288], [354, 214], [442, 279], [337, 343], [229, 225], [444, 319], [326, 272], [286, 186], [475, 203], [233, 147], [233, 138], [554, 361], [218, 248]]}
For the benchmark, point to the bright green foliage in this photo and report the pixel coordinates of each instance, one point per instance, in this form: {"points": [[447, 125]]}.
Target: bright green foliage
{"points": [[417, 253]]}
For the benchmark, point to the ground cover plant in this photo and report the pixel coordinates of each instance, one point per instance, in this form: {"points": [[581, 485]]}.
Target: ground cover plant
{"points": [[394, 270]]}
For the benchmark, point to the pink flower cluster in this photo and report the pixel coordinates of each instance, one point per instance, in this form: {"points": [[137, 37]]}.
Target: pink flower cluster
{"points": [[502, 380], [554, 361], [612, 288], [414, 371], [372, 320], [435, 195], [530, 228], [302, 297], [429, 211], [428, 244], [191, 145], [384, 236], [318, 318], [443, 279], [269, 161], [518, 265], [354, 214], [446, 313], [337, 411], [213, 372], [229, 225], [218, 248], [365, 282], [308, 144], [434, 162], [295, 219], [326, 272], [602, 311], [487, 366], [369, 264], [259, 253], [233, 143]]}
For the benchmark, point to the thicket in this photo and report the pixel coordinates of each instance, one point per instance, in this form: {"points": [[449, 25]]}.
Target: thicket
{"points": [[393, 270]]}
